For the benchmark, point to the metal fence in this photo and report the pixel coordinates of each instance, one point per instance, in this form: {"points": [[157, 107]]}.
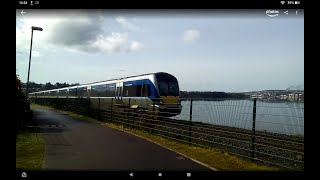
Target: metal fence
{"points": [[265, 132]]}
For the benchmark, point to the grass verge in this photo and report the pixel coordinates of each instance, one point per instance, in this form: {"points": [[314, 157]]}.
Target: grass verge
{"points": [[29, 149], [214, 158]]}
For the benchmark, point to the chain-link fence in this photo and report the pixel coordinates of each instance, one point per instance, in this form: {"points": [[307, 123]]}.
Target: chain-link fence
{"points": [[265, 132]]}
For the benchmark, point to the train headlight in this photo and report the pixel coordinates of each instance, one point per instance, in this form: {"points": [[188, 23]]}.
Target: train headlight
{"points": [[155, 105]]}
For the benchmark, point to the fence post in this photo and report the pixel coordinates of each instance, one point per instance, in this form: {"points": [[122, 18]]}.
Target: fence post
{"points": [[74, 105], [111, 109], [129, 114], [134, 116], [253, 128], [99, 112], [152, 116], [190, 121], [88, 105]]}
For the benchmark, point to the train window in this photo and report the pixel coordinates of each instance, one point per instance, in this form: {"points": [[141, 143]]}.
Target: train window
{"points": [[125, 91], [163, 88], [53, 93], [105, 90], [168, 84], [168, 88], [62, 93], [82, 92], [132, 91], [73, 92], [99, 91], [111, 89], [146, 90], [174, 88]]}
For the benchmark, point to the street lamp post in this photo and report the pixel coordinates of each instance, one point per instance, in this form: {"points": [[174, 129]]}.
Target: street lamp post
{"points": [[37, 29]]}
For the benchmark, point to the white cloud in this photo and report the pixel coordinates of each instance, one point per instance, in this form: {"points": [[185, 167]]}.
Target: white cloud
{"points": [[113, 43], [72, 32], [135, 46], [191, 36], [116, 42], [36, 54], [23, 31], [125, 24]]}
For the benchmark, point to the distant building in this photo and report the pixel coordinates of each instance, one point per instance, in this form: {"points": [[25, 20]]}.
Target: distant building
{"points": [[258, 96], [296, 96], [284, 96]]}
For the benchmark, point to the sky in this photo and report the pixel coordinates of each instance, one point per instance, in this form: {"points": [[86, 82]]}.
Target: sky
{"points": [[205, 51]]}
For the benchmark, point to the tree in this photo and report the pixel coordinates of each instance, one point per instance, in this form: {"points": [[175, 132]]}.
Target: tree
{"points": [[48, 86], [18, 83], [20, 103]]}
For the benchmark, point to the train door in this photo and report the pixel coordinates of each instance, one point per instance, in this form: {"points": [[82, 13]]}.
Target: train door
{"points": [[119, 92], [89, 91]]}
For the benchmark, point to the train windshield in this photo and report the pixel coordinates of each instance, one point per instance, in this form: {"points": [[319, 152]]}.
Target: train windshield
{"points": [[168, 85]]}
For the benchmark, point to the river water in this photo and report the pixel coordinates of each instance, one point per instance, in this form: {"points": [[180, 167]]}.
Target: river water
{"points": [[273, 116]]}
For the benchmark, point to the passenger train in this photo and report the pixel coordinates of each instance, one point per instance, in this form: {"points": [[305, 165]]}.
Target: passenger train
{"points": [[151, 91]]}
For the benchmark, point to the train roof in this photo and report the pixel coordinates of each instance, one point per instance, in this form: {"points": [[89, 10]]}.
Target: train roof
{"points": [[124, 77], [115, 79]]}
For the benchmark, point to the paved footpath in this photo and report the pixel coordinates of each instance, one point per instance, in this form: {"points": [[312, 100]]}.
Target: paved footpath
{"points": [[73, 144]]}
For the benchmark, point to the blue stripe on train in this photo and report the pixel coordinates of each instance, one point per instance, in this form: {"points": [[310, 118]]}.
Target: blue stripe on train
{"points": [[113, 85]]}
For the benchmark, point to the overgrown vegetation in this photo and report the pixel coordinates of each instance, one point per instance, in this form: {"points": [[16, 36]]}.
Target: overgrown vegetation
{"points": [[20, 104], [29, 141], [33, 87], [29, 149]]}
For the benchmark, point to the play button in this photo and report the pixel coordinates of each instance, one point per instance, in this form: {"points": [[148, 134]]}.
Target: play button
{"points": [[131, 174]]}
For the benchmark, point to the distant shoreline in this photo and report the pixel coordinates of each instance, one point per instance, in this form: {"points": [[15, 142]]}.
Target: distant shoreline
{"points": [[268, 95]]}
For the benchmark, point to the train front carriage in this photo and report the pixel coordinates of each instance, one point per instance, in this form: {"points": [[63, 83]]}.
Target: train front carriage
{"points": [[169, 94]]}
